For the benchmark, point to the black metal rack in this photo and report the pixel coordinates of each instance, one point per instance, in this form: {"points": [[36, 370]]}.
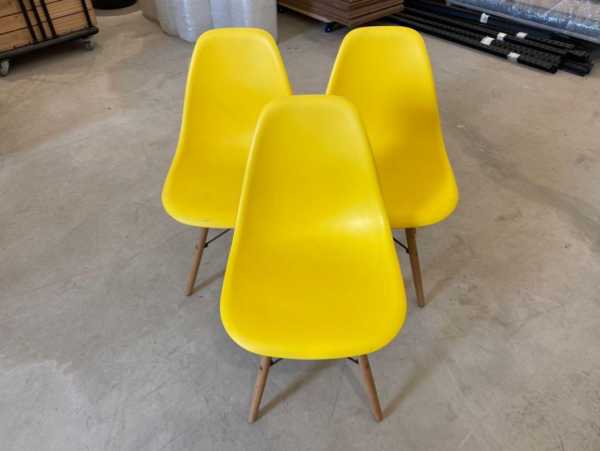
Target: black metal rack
{"points": [[519, 45], [543, 45], [491, 20], [476, 44]]}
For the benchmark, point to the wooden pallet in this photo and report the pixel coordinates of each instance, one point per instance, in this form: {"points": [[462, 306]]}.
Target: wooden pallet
{"points": [[67, 16], [346, 12]]}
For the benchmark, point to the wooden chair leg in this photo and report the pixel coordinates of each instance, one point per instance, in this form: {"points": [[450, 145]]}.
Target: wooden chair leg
{"points": [[365, 369], [196, 260], [411, 238], [259, 387]]}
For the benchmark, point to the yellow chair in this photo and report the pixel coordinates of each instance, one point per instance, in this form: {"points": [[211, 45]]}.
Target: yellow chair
{"points": [[385, 72], [313, 272], [233, 74]]}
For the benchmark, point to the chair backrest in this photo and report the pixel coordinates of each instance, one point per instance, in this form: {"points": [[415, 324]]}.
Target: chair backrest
{"points": [[311, 183], [234, 73], [386, 73]]}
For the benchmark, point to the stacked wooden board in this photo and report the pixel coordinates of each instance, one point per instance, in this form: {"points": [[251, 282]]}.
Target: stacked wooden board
{"points": [[345, 12], [22, 25]]}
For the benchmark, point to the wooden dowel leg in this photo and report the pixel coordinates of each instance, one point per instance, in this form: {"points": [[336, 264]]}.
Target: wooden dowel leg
{"points": [[259, 387], [411, 238], [196, 260], [365, 369]]}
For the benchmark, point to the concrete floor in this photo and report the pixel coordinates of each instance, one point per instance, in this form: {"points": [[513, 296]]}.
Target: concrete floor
{"points": [[101, 350]]}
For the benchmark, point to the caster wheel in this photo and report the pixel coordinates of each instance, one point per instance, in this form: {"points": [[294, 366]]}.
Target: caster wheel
{"points": [[89, 43], [4, 67], [329, 27]]}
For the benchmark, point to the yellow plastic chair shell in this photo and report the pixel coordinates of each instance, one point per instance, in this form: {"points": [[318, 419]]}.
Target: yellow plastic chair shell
{"points": [[312, 273], [386, 73], [233, 74]]}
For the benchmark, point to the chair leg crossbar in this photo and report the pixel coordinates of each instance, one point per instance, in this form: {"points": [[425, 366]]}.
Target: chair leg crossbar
{"points": [[398, 242], [217, 237], [275, 361], [200, 246], [267, 362]]}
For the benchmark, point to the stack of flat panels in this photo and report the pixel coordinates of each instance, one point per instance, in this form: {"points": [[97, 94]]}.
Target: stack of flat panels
{"points": [[345, 12]]}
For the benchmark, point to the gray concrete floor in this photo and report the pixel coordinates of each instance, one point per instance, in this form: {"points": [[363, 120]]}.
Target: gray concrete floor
{"points": [[101, 350]]}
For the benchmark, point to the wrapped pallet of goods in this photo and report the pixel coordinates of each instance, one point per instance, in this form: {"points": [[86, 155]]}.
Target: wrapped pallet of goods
{"points": [[188, 19], [246, 14]]}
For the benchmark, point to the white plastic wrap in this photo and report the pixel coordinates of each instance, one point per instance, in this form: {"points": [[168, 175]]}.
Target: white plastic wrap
{"points": [[149, 9], [255, 14], [221, 13], [188, 19], [166, 16], [192, 17], [578, 18]]}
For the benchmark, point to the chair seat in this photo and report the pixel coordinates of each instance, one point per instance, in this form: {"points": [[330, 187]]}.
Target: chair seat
{"points": [[385, 72], [313, 272], [203, 187], [418, 191], [234, 73], [316, 302]]}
